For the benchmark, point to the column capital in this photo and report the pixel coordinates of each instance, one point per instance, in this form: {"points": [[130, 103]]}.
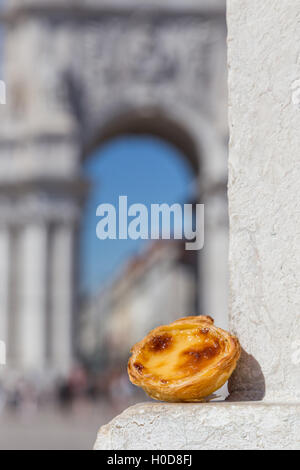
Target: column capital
{"points": [[59, 201]]}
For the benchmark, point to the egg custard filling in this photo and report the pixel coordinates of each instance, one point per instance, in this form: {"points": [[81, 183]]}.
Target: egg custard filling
{"points": [[184, 361]]}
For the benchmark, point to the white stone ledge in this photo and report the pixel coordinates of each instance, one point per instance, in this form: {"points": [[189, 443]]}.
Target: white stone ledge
{"points": [[224, 425]]}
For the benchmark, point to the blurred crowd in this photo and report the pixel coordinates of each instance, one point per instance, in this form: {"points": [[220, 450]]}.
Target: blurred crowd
{"points": [[79, 388]]}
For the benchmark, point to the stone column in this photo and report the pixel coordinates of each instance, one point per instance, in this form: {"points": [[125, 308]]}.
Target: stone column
{"points": [[32, 297], [4, 281], [61, 280], [213, 261], [264, 179]]}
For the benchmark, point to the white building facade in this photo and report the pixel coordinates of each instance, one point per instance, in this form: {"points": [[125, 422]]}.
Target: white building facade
{"points": [[78, 74]]}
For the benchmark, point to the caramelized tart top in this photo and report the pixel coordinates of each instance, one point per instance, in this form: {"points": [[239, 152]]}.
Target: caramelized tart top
{"points": [[179, 351]]}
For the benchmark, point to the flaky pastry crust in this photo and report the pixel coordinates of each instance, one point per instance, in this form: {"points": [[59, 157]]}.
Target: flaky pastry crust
{"points": [[184, 361]]}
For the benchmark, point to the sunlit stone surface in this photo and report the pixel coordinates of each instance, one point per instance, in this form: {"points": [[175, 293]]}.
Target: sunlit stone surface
{"points": [[202, 426], [264, 174]]}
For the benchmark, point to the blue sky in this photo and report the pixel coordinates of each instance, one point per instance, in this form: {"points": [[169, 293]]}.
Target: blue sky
{"points": [[145, 169]]}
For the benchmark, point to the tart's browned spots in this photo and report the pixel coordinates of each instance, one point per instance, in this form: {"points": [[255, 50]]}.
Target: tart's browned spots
{"points": [[139, 367], [204, 331], [163, 381], [194, 358], [160, 342], [209, 318]]}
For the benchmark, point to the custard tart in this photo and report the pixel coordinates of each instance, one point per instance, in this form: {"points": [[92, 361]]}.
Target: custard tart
{"points": [[185, 361]]}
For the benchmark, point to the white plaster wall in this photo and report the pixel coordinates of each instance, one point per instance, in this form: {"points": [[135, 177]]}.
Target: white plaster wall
{"points": [[264, 184]]}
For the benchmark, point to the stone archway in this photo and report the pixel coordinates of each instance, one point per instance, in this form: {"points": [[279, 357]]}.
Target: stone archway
{"points": [[150, 121], [69, 72], [183, 267]]}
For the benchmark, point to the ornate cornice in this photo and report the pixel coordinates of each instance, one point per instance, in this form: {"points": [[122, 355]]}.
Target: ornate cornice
{"points": [[38, 209], [94, 8], [76, 189]]}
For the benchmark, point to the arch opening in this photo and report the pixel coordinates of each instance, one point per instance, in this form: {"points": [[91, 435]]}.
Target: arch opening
{"points": [[141, 283]]}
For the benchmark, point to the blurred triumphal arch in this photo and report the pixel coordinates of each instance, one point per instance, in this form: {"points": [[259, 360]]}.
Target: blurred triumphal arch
{"points": [[78, 73]]}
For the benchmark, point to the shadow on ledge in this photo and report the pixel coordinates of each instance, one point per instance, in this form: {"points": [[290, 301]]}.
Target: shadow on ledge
{"points": [[247, 383]]}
